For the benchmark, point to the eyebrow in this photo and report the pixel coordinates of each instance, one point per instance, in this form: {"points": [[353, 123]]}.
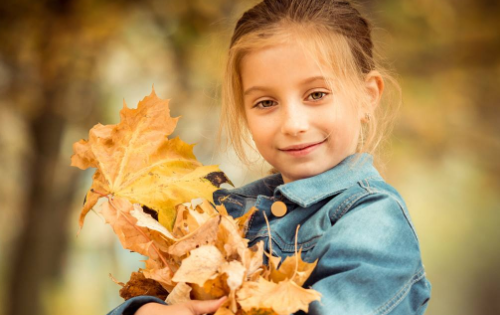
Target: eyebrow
{"points": [[262, 88]]}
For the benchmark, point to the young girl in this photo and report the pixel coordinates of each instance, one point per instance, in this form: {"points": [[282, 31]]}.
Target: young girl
{"points": [[302, 82]]}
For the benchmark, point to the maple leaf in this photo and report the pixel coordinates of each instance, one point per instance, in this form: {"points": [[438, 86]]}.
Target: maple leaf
{"points": [[200, 266], [191, 215], [136, 160], [139, 285], [117, 212], [161, 273], [285, 297], [204, 235], [180, 294], [294, 268]]}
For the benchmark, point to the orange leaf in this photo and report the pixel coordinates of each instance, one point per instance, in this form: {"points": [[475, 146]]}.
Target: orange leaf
{"points": [[284, 298], [136, 160]]}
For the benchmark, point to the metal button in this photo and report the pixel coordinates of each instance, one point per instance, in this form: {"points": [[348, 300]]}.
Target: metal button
{"points": [[278, 208]]}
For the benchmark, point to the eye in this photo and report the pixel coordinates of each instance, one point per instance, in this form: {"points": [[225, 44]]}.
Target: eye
{"points": [[264, 104], [317, 95]]}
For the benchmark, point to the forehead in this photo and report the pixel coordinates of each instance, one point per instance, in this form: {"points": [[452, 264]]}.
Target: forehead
{"points": [[280, 64]]}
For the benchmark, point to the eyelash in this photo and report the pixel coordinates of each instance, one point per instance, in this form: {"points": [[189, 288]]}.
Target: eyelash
{"points": [[263, 107]]}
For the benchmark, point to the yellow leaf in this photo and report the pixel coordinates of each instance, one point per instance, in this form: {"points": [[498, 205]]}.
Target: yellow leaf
{"points": [[223, 311], [136, 160], [191, 215], [284, 298], [159, 272], [202, 264], [204, 235], [294, 268], [180, 294], [145, 220], [116, 212], [229, 239], [235, 272]]}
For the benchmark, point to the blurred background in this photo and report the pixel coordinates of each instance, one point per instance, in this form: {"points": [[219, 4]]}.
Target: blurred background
{"points": [[67, 65]]}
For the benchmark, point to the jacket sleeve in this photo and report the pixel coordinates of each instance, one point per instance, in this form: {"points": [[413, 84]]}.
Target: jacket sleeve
{"points": [[370, 262], [130, 306]]}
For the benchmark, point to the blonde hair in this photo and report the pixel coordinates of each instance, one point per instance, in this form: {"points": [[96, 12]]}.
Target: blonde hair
{"points": [[335, 36]]}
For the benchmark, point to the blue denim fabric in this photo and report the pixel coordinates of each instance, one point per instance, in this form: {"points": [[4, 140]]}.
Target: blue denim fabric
{"points": [[355, 225]]}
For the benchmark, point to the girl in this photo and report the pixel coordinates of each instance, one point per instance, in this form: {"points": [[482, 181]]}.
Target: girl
{"points": [[302, 82]]}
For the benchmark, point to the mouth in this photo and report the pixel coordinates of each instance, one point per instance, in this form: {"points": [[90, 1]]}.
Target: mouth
{"points": [[301, 147]]}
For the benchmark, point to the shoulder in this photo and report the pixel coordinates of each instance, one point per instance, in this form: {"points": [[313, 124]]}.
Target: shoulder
{"points": [[374, 201]]}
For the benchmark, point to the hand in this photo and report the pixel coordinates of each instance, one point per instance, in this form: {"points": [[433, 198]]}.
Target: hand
{"points": [[188, 308]]}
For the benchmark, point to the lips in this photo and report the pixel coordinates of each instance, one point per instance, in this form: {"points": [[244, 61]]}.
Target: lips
{"points": [[299, 147]]}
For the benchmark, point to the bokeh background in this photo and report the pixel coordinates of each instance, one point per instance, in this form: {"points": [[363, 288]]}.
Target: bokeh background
{"points": [[66, 65]]}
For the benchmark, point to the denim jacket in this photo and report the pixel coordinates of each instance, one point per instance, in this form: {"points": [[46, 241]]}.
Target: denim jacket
{"points": [[355, 225]]}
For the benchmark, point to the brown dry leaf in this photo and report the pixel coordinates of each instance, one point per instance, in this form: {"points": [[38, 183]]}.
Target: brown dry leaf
{"points": [[242, 221], [262, 311], [223, 311], [159, 272], [204, 235], [116, 212], [146, 221], [200, 266], [285, 297], [191, 215], [136, 160], [216, 286], [139, 285], [294, 268], [180, 294], [252, 259], [235, 272], [229, 239], [221, 209]]}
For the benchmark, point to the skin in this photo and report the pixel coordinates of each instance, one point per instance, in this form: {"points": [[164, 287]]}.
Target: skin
{"points": [[284, 106], [190, 308]]}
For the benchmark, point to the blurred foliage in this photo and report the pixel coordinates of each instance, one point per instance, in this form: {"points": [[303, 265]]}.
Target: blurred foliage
{"points": [[66, 65]]}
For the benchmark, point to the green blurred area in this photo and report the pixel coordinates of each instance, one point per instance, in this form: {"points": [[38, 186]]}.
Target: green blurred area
{"points": [[66, 65]]}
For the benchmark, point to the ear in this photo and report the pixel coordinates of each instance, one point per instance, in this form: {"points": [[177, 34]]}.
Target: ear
{"points": [[374, 85]]}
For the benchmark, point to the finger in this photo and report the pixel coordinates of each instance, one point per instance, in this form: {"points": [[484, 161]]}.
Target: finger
{"points": [[204, 307]]}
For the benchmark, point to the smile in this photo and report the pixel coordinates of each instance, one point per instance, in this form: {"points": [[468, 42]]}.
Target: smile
{"points": [[302, 149]]}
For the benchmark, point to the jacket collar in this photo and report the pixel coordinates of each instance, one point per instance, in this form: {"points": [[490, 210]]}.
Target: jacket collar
{"points": [[307, 191]]}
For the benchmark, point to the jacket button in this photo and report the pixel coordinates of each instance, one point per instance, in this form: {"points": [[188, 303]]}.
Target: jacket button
{"points": [[278, 208]]}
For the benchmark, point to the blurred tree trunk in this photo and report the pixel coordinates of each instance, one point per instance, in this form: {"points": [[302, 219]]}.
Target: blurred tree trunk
{"points": [[42, 42]]}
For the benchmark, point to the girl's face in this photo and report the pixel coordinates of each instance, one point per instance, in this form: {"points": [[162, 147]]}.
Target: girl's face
{"points": [[298, 124]]}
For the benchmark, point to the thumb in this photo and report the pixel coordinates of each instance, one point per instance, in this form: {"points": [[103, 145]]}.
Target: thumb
{"points": [[209, 306]]}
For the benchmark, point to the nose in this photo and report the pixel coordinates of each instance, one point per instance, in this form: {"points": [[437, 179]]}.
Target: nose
{"points": [[294, 120]]}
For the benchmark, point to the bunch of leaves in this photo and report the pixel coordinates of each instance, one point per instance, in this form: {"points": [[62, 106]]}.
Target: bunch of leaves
{"points": [[157, 198]]}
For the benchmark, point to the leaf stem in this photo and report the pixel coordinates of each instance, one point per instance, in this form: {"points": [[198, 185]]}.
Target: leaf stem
{"points": [[296, 253]]}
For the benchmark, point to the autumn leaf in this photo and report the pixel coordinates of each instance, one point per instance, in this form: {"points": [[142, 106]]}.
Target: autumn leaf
{"points": [[136, 160], [160, 272], [200, 266], [204, 235], [191, 215], [117, 212], [180, 294], [294, 268], [285, 297], [139, 285]]}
